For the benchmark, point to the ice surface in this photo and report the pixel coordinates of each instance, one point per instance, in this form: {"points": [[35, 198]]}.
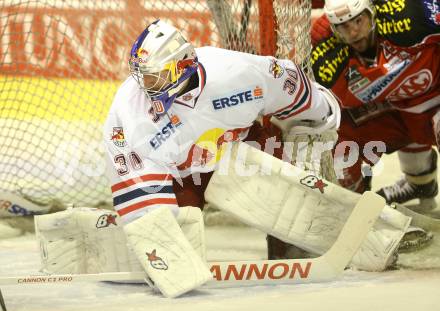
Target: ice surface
{"points": [[413, 287]]}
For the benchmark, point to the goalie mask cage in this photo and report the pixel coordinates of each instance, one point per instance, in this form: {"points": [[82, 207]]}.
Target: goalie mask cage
{"points": [[61, 64]]}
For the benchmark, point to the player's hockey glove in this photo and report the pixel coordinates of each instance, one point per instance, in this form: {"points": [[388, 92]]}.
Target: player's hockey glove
{"points": [[320, 29]]}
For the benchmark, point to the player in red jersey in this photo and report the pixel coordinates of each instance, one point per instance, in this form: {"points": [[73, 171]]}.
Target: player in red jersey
{"points": [[380, 58]]}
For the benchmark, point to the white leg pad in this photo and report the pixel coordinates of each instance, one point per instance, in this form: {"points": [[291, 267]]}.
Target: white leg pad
{"points": [[190, 220], [61, 245], [83, 240], [88, 240], [165, 253], [298, 208]]}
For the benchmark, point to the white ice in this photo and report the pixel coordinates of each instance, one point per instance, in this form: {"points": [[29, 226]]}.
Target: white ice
{"points": [[413, 287]]}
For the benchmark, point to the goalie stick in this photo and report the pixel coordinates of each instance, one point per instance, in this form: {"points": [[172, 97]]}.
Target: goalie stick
{"points": [[259, 272], [2, 302], [419, 220]]}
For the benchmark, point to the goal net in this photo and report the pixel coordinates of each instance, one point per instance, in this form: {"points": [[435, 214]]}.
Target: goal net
{"points": [[63, 60]]}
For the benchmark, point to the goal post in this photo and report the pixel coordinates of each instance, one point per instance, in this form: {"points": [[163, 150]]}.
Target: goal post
{"points": [[63, 60]]}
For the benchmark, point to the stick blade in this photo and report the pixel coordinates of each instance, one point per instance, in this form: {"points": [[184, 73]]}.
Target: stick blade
{"points": [[2, 301], [361, 220]]}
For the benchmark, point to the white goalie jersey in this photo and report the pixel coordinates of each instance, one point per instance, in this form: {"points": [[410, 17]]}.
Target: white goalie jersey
{"points": [[234, 90]]}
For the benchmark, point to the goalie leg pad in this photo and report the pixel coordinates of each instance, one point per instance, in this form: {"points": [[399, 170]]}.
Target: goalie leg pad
{"points": [[89, 240], [83, 240], [61, 244], [190, 220], [299, 208], [165, 253]]}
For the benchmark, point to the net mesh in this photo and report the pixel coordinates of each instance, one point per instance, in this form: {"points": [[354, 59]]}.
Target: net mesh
{"points": [[61, 64]]}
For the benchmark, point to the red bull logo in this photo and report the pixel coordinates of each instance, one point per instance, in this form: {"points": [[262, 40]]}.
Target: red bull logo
{"points": [[142, 53], [182, 64], [210, 147], [199, 156], [141, 56], [118, 137], [275, 69]]}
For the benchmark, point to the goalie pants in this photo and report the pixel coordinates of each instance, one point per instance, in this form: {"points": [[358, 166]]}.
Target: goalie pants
{"points": [[397, 129], [190, 192]]}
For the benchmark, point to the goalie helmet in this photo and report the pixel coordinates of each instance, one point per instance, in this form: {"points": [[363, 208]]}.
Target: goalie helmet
{"points": [[341, 11], [160, 61]]}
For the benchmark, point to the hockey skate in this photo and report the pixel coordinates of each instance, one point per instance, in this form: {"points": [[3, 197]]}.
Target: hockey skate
{"points": [[404, 191], [423, 187], [277, 249]]}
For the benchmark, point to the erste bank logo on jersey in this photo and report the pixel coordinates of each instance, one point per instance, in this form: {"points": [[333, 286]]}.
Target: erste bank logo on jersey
{"points": [[238, 98], [165, 132]]}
